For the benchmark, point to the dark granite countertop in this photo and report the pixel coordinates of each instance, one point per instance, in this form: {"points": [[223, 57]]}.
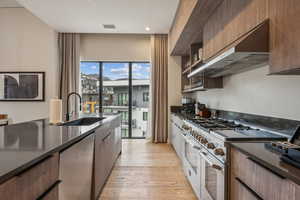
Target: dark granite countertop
{"points": [[268, 159], [23, 145]]}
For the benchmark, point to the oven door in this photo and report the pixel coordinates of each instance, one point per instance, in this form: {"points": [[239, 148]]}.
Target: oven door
{"points": [[212, 177], [192, 163]]}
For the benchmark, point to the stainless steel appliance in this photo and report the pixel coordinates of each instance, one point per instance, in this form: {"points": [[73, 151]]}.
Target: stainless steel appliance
{"points": [[76, 168], [186, 100], [192, 164], [206, 138], [213, 177]]}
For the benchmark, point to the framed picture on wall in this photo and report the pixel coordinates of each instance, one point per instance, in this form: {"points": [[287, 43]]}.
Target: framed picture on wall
{"points": [[22, 86]]}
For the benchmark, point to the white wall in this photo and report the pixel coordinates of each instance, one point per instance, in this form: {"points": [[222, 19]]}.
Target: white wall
{"points": [[27, 44], [257, 93], [174, 83], [115, 47]]}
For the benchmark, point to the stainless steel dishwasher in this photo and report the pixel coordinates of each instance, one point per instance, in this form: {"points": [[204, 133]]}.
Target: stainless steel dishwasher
{"points": [[76, 169]]}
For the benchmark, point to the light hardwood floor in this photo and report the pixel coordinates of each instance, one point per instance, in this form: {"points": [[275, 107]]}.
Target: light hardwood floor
{"points": [[147, 171]]}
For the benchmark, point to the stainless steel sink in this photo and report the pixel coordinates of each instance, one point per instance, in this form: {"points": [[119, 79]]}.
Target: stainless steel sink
{"points": [[86, 121]]}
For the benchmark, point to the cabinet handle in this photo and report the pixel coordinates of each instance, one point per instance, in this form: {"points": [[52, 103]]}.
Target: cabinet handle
{"points": [[49, 190], [269, 170], [32, 166], [248, 188], [106, 137]]}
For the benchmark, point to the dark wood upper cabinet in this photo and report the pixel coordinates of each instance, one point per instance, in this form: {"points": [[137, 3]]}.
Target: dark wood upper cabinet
{"points": [[230, 21], [219, 24], [187, 27], [284, 36]]}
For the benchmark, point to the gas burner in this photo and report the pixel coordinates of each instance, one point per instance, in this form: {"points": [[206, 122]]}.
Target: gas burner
{"points": [[219, 124]]}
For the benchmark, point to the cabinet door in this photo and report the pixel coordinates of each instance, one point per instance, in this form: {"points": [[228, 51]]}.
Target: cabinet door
{"points": [[284, 36], [290, 190], [52, 195], [8, 190], [240, 191], [36, 180], [118, 138], [109, 151], [231, 20], [99, 165], [76, 170]]}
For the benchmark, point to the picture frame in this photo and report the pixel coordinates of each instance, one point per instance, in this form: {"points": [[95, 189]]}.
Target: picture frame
{"points": [[22, 86]]}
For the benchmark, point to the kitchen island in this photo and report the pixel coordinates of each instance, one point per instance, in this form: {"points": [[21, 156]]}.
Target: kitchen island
{"points": [[30, 156]]}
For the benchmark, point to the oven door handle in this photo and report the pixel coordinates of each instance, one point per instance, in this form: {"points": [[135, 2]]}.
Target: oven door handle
{"points": [[215, 166], [193, 144]]}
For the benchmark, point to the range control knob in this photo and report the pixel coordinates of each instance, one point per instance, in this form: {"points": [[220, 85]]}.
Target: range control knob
{"points": [[219, 152], [199, 137], [204, 141], [211, 146], [186, 127]]}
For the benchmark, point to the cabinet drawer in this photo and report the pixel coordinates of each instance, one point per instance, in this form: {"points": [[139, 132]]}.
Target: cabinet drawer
{"points": [[51, 193], [8, 190], [262, 181], [34, 182], [240, 191]]}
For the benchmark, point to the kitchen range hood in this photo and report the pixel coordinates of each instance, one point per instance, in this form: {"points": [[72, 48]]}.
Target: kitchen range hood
{"points": [[249, 52]]}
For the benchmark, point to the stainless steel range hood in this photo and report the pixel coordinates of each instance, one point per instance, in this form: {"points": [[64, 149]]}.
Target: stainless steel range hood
{"points": [[249, 52]]}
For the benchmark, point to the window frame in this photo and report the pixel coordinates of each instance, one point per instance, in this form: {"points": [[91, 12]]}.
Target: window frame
{"points": [[130, 87]]}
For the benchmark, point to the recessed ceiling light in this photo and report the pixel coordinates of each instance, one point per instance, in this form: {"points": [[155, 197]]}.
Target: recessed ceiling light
{"points": [[109, 26], [147, 28]]}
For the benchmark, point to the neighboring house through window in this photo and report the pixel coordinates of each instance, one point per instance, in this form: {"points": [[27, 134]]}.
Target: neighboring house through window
{"points": [[146, 96], [145, 116]]}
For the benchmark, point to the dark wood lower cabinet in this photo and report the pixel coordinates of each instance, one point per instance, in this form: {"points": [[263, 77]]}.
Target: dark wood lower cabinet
{"points": [[41, 181], [249, 180], [52, 195], [240, 191], [107, 148], [8, 190], [35, 181]]}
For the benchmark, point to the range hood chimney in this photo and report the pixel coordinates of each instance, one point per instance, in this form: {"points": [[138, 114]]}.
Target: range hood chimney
{"points": [[249, 52]]}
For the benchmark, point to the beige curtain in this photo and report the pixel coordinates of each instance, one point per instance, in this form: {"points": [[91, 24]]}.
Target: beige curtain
{"points": [[159, 88], [69, 61]]}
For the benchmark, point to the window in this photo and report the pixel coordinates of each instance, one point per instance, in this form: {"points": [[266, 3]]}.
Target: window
{"points": [[90, 83], [124, 116], [118, 87], [145, 116], [146, 96], [124, 132], [123, 99], [107, 110]]}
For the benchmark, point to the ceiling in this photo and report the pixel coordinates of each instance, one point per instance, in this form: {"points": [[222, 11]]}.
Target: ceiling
{"points": [[88, 16], [9, 4]]}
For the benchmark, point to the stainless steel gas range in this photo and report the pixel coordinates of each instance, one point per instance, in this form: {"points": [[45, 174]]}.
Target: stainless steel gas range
{"points": [[204, 157]]}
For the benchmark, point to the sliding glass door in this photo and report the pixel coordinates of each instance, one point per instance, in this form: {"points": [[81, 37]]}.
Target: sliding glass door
{"points": [[118, 87], [90, 86], [115, 92], [140, 98]]}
